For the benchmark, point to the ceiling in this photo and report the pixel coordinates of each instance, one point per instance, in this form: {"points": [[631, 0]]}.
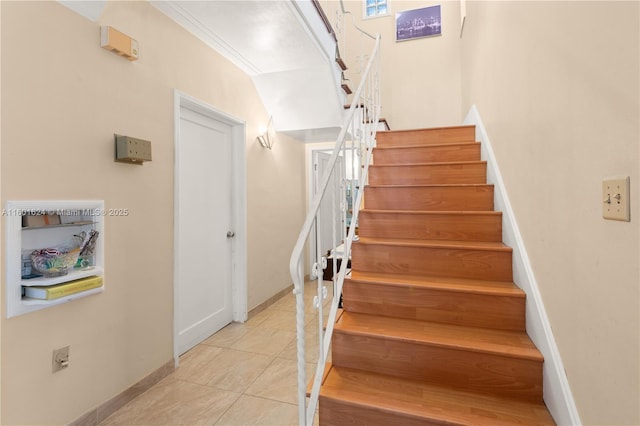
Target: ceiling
{"points": [[282, 44], [284, 47], [259, 36]]}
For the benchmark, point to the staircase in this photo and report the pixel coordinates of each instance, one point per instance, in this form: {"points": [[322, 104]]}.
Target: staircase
{"points": [[433, 327]]}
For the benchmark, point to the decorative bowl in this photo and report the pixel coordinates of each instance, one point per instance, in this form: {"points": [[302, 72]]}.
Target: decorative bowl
{"points": [[55, 261]]}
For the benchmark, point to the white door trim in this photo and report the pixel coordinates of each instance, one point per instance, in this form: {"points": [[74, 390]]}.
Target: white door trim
{"points": [[313, 181], [238, 205]]}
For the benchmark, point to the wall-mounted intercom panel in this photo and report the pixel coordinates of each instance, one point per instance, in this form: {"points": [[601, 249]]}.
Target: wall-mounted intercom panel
{"points": [[132, 150]]}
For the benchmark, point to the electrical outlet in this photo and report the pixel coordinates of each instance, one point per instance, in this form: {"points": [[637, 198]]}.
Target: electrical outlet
{"points": [[60, 359], [615, 197]]}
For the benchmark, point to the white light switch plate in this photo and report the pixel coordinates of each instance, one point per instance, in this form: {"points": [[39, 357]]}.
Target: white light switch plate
{"points": [[615, 197]]}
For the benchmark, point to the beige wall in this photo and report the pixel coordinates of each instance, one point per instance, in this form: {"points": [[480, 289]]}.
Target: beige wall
{"points": [[277, 208], [420, 78], [63, 98], [556, 84]]}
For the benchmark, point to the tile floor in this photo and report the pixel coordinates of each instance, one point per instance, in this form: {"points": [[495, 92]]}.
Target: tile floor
{"points": [[245, 374]]}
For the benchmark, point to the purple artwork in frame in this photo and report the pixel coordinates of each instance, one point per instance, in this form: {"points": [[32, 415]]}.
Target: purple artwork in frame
{"points": [[418, 23]]}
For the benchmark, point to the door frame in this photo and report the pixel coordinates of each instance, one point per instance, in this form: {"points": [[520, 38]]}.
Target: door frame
{"points": [[238, 206], [313, 180]]}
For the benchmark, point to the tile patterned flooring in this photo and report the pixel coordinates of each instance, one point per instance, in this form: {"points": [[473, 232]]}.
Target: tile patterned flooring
{"points": [[245, 374]]}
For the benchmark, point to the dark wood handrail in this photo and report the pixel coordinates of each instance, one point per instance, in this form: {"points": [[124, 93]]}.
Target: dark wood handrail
{"points": [[324, 18]]}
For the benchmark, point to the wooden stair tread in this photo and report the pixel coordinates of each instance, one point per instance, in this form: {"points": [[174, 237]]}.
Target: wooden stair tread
{"points": [[327, 369], [437, 185], [433, 164], [339, 313], [440, 197], [436, 129], [446, 300], [429, 171], [496, 288], [448, 258], [424, 402], [432, 212], [431, 145], [405, 242], [435, 152], [431, 224], [435, 135], [474, 339]]}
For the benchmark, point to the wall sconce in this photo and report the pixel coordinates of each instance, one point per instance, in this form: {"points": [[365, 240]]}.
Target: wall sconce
{"points": [[267, 137]]}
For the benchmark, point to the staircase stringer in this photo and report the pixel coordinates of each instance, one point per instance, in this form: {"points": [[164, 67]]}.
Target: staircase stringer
{"points": [[557, 392]]}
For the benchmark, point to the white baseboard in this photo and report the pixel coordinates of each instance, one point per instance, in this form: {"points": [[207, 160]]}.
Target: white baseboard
{"points": [[557, 393]]}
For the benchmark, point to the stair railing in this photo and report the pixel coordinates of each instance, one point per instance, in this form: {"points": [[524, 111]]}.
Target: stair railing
{"points": [[340, 194]]}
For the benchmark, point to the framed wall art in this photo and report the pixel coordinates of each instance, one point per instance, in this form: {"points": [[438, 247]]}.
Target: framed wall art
{"points": [[418, 23]]}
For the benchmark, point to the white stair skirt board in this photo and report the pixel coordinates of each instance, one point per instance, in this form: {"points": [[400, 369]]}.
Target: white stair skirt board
{"points": [[557, 393]]}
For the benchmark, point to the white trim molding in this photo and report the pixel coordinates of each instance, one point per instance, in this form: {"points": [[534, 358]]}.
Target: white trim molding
{"points": [[180, 14], [557, 392]]}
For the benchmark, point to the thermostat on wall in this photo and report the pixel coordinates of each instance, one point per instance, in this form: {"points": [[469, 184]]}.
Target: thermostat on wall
{"points": [[132, 150]]}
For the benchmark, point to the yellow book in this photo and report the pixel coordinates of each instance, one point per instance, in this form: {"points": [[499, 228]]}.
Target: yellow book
{"points": [[61, 290]]}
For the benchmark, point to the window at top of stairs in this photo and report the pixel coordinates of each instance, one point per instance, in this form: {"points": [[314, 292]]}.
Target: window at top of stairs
{"points": [[375, 8]]}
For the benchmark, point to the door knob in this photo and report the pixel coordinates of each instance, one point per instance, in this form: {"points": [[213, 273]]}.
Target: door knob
{"points": [[231, 234]]}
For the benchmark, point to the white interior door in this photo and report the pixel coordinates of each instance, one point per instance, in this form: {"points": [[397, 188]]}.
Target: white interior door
{"points": [[329, 220], [204, 217]]}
